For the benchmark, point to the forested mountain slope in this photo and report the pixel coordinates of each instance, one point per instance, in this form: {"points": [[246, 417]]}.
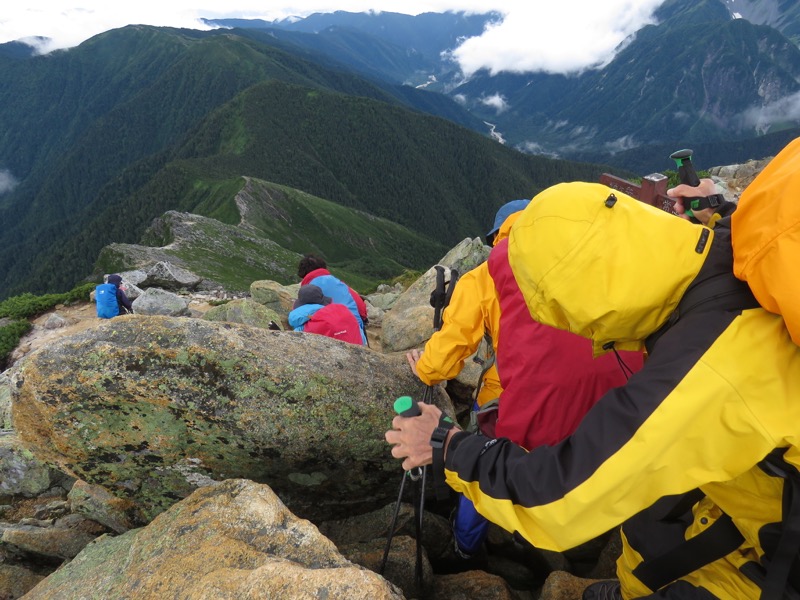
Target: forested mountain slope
{"points": [[106, 137]]}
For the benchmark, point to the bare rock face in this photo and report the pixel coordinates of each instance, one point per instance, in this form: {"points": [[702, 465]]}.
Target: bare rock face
{"points": [[15, 581], [233, 540], [153, 407], [410, 322], [155, 301]]}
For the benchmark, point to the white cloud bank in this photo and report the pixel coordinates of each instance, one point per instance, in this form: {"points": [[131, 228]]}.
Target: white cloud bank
{"points": [[784, 111], [562, 36]]}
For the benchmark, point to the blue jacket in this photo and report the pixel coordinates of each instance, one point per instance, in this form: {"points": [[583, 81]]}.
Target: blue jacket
{"points": [[339, 292]]}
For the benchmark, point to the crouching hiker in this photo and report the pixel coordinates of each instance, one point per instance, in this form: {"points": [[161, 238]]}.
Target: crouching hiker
{"points": [[696, 456], [111, 299], [313, 269], [314, 312]]}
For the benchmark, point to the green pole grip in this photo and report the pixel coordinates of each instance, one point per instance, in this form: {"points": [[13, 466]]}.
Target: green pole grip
{"points": [[406, 407]]}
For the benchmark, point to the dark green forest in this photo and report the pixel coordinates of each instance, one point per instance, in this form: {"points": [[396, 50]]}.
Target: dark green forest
{"points": [[110, 135]]}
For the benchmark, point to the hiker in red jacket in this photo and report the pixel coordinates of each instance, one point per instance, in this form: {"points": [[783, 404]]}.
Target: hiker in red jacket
{"points": [[313, 269], [315, 313]]}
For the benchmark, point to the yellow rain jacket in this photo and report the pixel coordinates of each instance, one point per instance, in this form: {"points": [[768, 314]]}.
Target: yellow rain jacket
{"points": [[473, 311], [706, 437]]}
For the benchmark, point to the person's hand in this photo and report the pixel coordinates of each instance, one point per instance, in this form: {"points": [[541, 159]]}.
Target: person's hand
{"points": [[411, 436], [413, 359], [707, 187]]}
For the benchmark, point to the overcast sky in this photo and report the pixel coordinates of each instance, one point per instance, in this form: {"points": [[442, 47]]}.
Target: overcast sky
{"points": [[559, 36]]}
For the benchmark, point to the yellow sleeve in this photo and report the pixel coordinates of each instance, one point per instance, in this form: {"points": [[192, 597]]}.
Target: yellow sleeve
{"points": [[462, 329], [664, 433]]}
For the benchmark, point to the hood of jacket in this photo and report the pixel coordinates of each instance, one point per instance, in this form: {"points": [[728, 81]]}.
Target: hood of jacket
{"points": [[596, 262], [302, 314]]}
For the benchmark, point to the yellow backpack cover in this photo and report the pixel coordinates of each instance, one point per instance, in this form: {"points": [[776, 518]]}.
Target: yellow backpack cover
{"points": [[765, 230]]}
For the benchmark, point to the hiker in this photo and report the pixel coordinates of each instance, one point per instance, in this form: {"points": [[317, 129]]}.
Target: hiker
{"points": [[702, 445], [313, 312], [548, 378], [314, 269], [111, 299], [470, 316]]}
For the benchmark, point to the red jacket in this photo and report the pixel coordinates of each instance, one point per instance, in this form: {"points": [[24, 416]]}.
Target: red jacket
{"points": [[550, 379], [338, 291], [332, 320]]}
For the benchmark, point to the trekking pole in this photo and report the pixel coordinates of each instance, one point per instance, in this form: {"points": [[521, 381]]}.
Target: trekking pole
{"points": [[405, 407], [687, 175]]}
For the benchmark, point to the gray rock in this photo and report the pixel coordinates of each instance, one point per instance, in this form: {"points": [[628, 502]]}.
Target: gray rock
{"points": [[155, 301], [5, 401], [55, 321], [168, 276], [16, 581], [153, 407], [21, 473], [374, 314], [474, 585], [274, 295], [52, 542], [560, 585], [383, 301], [96, 503], [133, 278], [410, 322], [244, 311]]}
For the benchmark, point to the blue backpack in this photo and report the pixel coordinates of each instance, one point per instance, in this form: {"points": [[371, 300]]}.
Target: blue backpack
{"points": [[105, 296]]}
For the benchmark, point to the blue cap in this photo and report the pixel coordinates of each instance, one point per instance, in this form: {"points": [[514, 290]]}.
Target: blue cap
{"points": [[508, 209]]}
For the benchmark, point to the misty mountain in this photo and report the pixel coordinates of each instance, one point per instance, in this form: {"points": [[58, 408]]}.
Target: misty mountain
{"points": [[709, 72], [402, 48], [783, 15], [99, 140]]}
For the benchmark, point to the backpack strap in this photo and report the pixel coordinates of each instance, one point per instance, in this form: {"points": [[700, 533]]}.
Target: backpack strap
{"points": [[441, 295], [437, 297], [717, 541], [787, 552]]}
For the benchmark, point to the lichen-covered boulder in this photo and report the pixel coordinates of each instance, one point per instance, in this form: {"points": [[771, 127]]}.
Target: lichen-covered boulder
{"points": [[243, 311], [274, 295], [153, 407], [233, 540]]}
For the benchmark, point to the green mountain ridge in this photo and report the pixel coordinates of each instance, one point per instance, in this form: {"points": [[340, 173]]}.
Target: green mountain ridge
{"points": [[274, 225], [220, 107]]}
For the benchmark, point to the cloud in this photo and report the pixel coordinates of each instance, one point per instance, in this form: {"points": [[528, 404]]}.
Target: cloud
{"points": [[495, 101], [68, 25], [785, 110], [626, 142], [7, 181], [557, 37]]}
